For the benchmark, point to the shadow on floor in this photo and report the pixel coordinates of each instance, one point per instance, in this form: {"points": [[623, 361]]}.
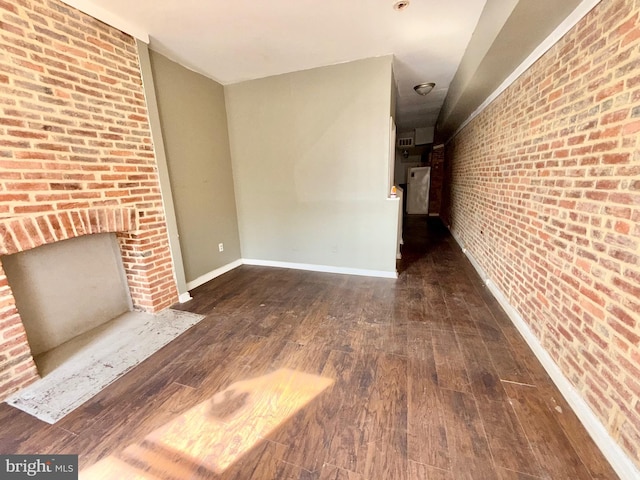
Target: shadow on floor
{"points": [[420, 234]]}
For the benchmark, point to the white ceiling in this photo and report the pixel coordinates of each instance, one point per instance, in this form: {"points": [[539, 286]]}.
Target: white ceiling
{"points": [[467, 47], [233, 41]]}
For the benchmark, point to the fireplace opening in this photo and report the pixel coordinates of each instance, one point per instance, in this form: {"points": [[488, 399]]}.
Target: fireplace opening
{"points": [[65, 289]]}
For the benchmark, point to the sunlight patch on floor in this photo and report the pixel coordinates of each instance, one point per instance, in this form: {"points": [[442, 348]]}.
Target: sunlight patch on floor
{"points": [[214, 434]]}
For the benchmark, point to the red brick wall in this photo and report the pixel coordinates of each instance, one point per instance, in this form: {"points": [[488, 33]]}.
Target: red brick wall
{"points": [[75, 155], [437, 179], [545, 194]]}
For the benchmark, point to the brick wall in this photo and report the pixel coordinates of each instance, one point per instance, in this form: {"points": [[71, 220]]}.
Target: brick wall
{"points": [[75, 156], [437, 179], [545, 194]]}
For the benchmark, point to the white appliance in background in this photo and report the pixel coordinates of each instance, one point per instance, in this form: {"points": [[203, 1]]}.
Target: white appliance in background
{"points": [[418, 182]]}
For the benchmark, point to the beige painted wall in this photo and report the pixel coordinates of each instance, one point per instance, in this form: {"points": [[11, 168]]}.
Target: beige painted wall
{"points": [[194, 127], [310, 152]]}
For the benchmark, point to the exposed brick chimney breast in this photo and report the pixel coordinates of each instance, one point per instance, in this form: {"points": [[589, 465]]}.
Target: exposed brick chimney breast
{"points": [[76, 156]]}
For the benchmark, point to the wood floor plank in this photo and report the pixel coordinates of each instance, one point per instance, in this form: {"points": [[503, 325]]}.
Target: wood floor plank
{"points": [[472, 468], [377, 307], [387, 338], [309, 358], [308, 326], [217, 363], [554, 451], [452, 371], [153, 460], [354, 375], [336, 332], [426, 429], [305, 433], [483, 318], [436, 307], [331, 472], [427, 435], [466, 435], [508, 443], [386, 409], [418, 471], [506, 365], [275, 324], [582, 442], [505, 474], [384, 448], [56, 439], [262, 468], [19, 431], [382, 459], [415, 302], [459, 315], [420, 342], [289, 471], [305, 436], [484, 380]]}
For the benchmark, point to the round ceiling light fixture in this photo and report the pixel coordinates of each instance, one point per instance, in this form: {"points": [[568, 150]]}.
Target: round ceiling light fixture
{"points": [[424, 88], [401, 5]]}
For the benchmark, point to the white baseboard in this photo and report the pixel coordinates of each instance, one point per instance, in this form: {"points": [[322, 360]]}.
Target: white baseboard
{"points": [[620, 462], [296, 266], [184, 297], [213, 274], [321, 268]]}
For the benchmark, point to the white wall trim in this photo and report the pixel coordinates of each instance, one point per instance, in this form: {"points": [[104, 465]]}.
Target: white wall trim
{"points": [[620, 462], [96, 11], [295, 266], [321, 268], [184, 297], [148, 85], [202, 279], [561, 30]]}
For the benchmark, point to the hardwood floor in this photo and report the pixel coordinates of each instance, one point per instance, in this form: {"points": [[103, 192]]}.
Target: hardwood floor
{"points": [[299, 375]]}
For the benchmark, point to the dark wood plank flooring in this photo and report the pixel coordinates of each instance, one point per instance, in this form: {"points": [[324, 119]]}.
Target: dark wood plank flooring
{"points": [[300, 375]]}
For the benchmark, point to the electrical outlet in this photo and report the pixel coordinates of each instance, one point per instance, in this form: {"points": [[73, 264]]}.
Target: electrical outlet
{"points": [[221, 247]]}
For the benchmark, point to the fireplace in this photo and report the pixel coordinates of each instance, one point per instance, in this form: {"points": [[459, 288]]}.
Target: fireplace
{"points": [[76, 158], [25, 234], [67, 288]]}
